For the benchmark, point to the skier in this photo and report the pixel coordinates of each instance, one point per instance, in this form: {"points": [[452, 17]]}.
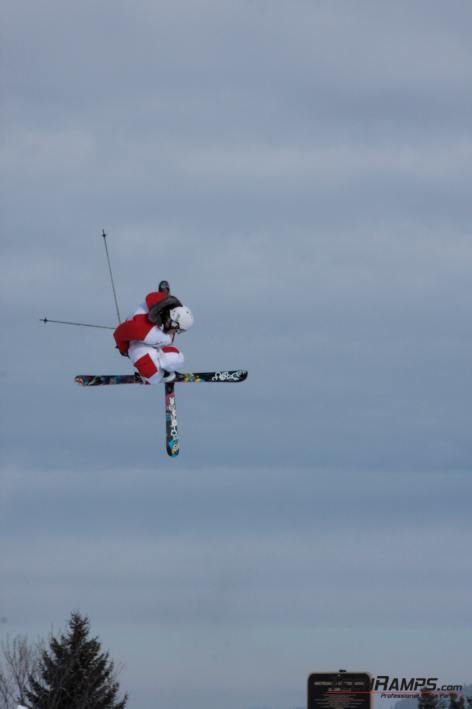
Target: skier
{"points": [[147, 336]]}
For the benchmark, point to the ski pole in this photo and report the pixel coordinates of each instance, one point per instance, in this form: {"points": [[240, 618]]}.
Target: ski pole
{"points": [[79, 324], [111, 275]]}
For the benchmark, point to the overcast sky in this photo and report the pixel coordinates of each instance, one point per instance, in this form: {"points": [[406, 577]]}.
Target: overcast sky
{"points": [[300, 171]]}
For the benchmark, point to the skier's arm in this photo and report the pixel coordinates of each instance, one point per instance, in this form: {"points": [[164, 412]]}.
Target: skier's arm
{"points": [[122, 342], [157, 338]]}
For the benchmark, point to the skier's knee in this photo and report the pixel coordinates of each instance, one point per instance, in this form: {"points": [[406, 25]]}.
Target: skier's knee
{"points": [[146, 366], [171, 358]]}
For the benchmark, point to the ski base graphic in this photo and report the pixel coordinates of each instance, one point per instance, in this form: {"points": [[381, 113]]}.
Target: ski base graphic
{"points": [[223, 376], [172, 431]]}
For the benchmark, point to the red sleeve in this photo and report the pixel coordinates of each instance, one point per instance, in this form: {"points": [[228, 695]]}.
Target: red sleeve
{"points": [[135, 329], [121, 338], [153, 298]]}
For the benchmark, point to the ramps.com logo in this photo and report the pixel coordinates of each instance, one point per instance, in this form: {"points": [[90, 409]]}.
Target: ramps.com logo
{"points": [[390, 685]]}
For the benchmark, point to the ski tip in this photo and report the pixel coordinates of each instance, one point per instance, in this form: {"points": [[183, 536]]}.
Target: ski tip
{"points": [[173, 449]]}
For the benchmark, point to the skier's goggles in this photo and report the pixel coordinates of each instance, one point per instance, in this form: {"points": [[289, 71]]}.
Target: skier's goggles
{"points": [[175, 326]]}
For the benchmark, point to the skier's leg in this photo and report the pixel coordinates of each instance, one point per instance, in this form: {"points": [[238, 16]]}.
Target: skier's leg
{"points": [[152, 363], [145, 360], [170, 358]]}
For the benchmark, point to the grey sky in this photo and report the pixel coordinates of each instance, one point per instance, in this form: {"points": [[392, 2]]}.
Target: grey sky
{"points": [[300, 171]]}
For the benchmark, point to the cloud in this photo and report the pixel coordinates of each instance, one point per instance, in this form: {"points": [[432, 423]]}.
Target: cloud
{"points": [[300, 173]]}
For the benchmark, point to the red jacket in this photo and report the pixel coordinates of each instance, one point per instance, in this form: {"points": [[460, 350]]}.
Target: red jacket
{"points": [[138, 326]]}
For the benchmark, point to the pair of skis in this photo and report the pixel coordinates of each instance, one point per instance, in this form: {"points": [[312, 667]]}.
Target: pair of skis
{"points": [[172, 430]]}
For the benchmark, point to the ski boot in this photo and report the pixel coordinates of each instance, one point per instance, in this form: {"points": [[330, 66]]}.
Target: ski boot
{"points": [[168, 377]]}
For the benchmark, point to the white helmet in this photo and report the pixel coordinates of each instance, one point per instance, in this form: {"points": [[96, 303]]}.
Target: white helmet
{"points": [[182, 317]]}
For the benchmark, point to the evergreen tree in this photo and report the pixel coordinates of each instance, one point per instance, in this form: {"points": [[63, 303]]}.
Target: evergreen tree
{"points": [[455, 702], [74, 673], [428, 700]]}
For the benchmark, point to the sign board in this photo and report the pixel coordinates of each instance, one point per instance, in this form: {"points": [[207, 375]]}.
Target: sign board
{"points": [[339, 690]]}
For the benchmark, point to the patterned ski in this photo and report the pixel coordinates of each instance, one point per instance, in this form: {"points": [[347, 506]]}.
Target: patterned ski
{"points": [[172, 430], [228, 376], [94, 380]]}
